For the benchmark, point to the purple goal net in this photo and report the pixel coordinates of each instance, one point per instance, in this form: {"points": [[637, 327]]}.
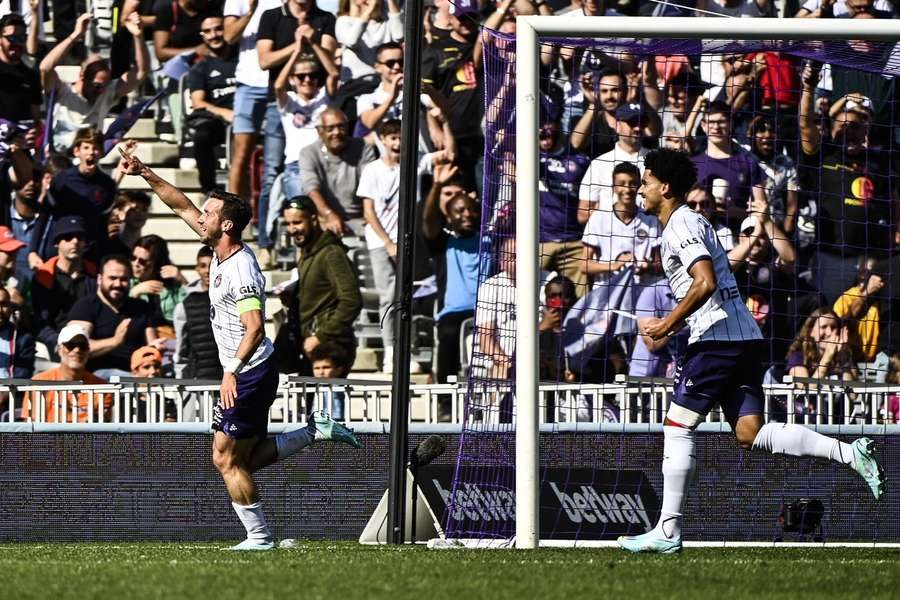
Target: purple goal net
{"points": [[794, 148]]}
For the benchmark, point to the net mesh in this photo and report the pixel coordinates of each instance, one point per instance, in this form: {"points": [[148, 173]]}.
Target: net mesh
{"points": [[800, 192]]}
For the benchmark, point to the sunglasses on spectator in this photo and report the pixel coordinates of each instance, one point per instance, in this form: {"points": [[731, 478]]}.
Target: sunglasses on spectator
{"points": [[311, 76], [141, 261], [68, 237], [76, 346], [16, 38], [392, 62]]}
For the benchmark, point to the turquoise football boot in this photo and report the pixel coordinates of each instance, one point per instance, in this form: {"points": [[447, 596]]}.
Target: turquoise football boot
{"points": [[327, 429], [867, 466], [651, 542]]}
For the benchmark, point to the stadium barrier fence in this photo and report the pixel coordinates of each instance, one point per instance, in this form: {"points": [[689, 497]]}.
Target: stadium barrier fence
{"points": [[635, 400]]}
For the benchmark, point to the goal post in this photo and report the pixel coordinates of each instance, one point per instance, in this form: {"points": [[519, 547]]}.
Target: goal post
{"points": [[530, 30]]}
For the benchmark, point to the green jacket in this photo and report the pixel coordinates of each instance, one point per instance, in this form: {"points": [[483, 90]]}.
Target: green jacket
{"points": [[329, 293]]}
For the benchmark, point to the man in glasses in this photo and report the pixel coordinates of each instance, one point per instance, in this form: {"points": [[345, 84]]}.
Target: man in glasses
{"points": [[87, 101], [61, 281], [212, 84], [20, 94], [331, 170], [250, 379], [74, 350]]}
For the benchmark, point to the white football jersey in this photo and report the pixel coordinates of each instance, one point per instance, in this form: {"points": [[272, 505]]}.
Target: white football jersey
{"points": [[687, 238], [236, 279], [608, 236]]}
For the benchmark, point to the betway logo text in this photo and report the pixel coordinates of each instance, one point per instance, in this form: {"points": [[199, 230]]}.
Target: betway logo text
{"points": [[588, 505], [475, 504]]}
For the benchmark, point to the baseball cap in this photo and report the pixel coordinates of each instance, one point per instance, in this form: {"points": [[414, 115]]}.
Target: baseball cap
{"points": [[459, 8], [143, 355], [628, 111], [8, 241], [68, 226], [854, 102], [748, 224], [70, 332]]}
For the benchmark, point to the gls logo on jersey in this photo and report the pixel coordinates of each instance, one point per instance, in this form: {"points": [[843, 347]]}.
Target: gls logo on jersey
{"points": [[248, 290], [689, 241]]}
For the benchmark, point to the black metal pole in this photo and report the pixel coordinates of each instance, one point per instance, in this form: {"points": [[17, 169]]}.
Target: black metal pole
{"points": [[409, 151]]}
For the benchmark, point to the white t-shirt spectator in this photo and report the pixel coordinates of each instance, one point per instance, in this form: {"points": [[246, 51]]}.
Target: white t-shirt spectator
{"points": [[72, 112], [597, 183], [248, 71], [381, 184], [376, 98], [298, 117], [361, 38], [609, 237]]}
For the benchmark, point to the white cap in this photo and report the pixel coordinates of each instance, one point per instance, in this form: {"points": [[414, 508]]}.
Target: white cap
{"points": [[749, 222], [70, 332]]}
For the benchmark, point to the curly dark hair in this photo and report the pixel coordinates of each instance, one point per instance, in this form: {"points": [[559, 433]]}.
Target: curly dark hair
{"points": [[673, 167]]}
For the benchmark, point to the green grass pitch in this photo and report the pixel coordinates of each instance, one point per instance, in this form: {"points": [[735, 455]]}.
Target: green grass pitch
{"points": [[342, 570]]}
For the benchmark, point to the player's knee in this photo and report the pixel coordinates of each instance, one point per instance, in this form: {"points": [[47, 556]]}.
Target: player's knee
{"points": [[745, 440], [223, 461]]}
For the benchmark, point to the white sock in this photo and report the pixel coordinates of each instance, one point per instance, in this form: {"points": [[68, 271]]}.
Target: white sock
{"points": [[677, 467], [254, 521], [796, 440], [294, 441]]}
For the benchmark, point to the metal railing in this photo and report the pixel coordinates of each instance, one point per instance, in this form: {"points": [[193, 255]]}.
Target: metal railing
{"points": [[631, 400]]}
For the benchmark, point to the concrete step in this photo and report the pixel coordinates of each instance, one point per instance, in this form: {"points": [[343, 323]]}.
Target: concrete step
{"points": [[68, 73], [171, 228], [143, 129], [158, 208], [185, 180], [154, 154]]}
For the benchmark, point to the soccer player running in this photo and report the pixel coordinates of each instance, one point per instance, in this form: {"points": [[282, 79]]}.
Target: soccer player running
{"points": [[724, 362], [250, 380]]}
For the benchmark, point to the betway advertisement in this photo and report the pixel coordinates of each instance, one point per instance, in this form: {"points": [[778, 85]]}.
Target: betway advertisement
{"points": [[578, 503]]}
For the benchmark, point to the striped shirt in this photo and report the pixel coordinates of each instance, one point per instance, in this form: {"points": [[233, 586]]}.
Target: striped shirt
{"points": [[687, 238], [236, 285]]}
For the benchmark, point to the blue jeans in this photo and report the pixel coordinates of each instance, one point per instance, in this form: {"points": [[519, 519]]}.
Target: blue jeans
{"points": [[291, 184], [273, 161]]}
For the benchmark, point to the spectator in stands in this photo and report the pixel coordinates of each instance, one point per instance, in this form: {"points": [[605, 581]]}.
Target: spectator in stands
{"points": [[821, 349], [196, 353], [361, 27], [763, 262], [85, 190], [452, 65], [560, 175], [386, 101], [9, 249], [595, 133], [701, 200], [154, 279], [16, 344], [453, 242], [20, 94], [823, 9], [25, 224], [61, 281], [116, 324], [559, 297], [314, 81], [850, 186], [279, 30], [674, 101], [74, 407], [126, 221], [379, 188], [782, 182], [330, 171], [736, 8], [623, 236], [176, 29], [331, 361], [495, 317], [87, 101], [596, 190], [212, 85], [330, 300], [41, 247], [146, 363], [860, 308], [726, 161], [242, 20]]}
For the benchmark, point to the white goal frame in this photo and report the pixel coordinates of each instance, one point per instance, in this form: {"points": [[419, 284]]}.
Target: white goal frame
{"points": [[529, 31]]}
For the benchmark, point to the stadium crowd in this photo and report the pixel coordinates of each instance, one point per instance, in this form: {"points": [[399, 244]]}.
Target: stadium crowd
{"points": [[794, 162]]}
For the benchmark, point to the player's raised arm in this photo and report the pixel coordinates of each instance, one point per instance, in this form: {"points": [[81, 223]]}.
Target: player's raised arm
{"points": [[174, 198]]}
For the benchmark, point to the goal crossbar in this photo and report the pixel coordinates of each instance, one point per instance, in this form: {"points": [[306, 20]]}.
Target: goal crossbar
{"points": [[529, 31]]}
